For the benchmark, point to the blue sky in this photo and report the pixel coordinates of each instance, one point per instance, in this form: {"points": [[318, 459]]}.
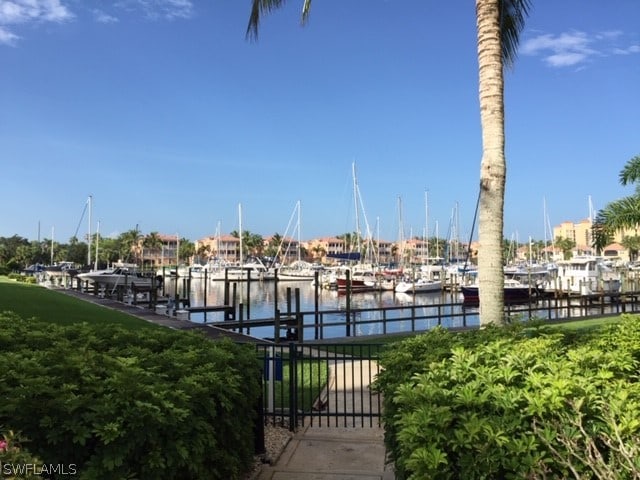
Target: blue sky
{"points": [[170, 119]]}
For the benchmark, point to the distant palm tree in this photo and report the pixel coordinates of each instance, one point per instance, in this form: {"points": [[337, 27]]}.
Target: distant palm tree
{"points": [[152, 243], [632, 243], [129, 244], [204, 250], [318, 252], [566, 245], [499, 23]]}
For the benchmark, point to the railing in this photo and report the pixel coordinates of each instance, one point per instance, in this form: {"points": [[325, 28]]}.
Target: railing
{"points": [[328, 325]]}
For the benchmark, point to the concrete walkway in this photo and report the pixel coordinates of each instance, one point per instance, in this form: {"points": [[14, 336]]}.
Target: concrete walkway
{"points": [[332, 453]]}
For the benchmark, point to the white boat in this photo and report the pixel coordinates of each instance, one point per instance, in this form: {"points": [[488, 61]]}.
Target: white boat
{"points": [[299, 270], [254, 269], [584, 275], [119, 276], [195, 270], [421, 285]]}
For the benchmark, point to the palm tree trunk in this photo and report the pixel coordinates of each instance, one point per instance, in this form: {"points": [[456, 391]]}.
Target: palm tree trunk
{"points": [[493, 166]]}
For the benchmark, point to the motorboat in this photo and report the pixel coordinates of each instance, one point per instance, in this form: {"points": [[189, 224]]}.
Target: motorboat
{"points": [[421, 285], [299, 270], [514, 292], [583, 275], [120, 276], [253, 269]]}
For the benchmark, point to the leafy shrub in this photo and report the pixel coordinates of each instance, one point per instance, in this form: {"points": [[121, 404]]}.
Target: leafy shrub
{"points": [[15, 461], [514, 403], [118, 404]]}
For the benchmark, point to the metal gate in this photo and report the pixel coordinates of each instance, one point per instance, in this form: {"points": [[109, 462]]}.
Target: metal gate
{"points": [[321, 384]]}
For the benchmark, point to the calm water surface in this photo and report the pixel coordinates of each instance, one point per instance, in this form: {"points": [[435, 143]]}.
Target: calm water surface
{"points": [[260, 299]]}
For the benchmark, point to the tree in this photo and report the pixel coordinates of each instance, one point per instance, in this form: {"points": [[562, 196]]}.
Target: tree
{"points": [[187, 249], [566, 245], [499, 23], [252, 243], [129, 244], [203, 250], [152, 242], [601, 236], [624, 213], [274, 246], [632, 243], [318, 252]]}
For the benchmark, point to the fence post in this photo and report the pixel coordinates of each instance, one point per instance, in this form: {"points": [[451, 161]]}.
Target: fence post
{"points": [[293, 386], [258, 427]]}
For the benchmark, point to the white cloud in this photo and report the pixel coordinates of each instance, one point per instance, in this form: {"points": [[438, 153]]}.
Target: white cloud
{"points": [[16, 12], [6, 37], [565, 59], [103, 17], [562, 50], [157, 9], [574, 48], [627, 51]]}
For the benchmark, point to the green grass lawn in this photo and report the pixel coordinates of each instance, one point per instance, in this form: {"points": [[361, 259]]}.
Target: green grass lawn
{"points": [[35, 301], [312, 377]]}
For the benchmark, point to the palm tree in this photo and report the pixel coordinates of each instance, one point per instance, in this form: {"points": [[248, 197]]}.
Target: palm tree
{"points": [[624, 213], [318, 252], [632, 243], [152, 242], [129, 244], [499, 23], [566, 245], [187, 249]]}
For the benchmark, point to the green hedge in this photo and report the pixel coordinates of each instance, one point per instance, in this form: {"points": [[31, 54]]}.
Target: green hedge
{"points": [[514, 403], [121, 404]]}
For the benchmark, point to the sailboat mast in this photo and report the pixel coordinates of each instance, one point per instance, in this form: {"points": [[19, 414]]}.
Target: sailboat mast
{"points": [[95, 267], [89, 232], [299, 235], [240, 230], [426, 222], [544, 222], [355, 201], [400, 230]]}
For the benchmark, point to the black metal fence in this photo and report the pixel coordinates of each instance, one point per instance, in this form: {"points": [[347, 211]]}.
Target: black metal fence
{"points": [[302, 326], [320, 385]]}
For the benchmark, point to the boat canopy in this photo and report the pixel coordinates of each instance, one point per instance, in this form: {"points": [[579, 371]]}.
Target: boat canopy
{"points": [[354, 256]]}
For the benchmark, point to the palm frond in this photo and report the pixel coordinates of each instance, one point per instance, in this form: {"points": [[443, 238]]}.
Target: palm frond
{"points": [[620, 214], [631, 171], [258, 9], [513, 14], [306, 8]]}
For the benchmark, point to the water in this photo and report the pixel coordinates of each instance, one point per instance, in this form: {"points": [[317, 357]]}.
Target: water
{"points": [[260, 299]]}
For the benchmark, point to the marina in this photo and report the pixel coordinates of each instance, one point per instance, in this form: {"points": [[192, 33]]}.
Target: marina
{"points": [[303, 311]]}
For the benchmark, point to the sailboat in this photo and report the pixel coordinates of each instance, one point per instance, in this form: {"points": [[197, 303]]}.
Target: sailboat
{"points": [[423, 281], [361, 276], [298, 270]]}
